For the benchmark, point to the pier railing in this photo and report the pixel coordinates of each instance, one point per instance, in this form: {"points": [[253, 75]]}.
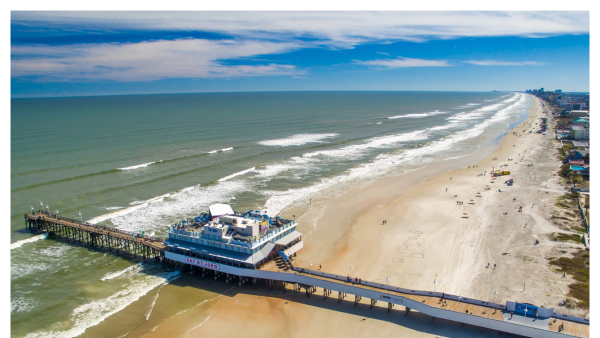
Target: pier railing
{"points": [[96, 235], [102, 227]]}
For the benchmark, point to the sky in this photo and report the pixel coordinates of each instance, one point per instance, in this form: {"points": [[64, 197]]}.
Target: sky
{"points": [[57, 53]]}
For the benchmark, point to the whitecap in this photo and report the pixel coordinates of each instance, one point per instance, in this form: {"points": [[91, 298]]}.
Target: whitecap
{"points": [[375, 142], [236, 174], [113, 275], [55, 251], [382, 164], [133, 167], [159, 212], [22, 304], [226, 149], [417, 115], [18, 244], [297, 140], [94, 312]]}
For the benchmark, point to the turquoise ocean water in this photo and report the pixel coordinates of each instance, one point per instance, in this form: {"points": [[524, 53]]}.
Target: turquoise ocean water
{"points": [[144, 162]]}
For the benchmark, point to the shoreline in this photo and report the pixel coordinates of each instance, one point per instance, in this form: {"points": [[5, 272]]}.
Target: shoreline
{"points": [[423, 241]]}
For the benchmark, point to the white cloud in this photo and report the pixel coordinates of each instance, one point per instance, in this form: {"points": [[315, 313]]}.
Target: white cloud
{"points": [[403, 62], [336, 29], [254, 34], [503, 63], [188, 58]]}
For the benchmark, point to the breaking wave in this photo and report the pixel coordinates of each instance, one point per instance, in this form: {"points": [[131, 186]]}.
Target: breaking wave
{"points": [[92, 313], [416, 115], [133, 167], [297, 140], [236, 174], [20, 243]]}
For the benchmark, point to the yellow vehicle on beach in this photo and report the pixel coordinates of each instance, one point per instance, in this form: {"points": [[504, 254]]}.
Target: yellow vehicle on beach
{"points": [[500, 173]]}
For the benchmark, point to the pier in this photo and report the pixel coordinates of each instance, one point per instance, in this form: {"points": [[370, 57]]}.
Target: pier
{"points": [[486, 315], [145, 247]]}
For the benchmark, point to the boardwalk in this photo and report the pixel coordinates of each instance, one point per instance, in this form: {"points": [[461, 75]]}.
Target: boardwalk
{"points": [[100, 236], [489, 312]]}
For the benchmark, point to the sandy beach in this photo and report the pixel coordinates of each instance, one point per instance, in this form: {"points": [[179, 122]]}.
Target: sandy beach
{"points": [[427, 237]]}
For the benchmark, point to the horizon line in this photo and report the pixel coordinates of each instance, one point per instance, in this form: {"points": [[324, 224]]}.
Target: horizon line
{"points": [[267, 91]]}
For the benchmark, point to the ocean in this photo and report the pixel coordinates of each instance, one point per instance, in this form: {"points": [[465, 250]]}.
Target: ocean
{"points": [[143, 162]]}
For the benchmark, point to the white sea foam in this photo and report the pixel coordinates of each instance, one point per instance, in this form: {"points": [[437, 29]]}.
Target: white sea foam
{"points": [[18, 244], [212, 152], [226, 149], [376, 142], [153, 303], [444, 127], [417, 115], [141, 205], [157, 213], [92, 313], [382, 164], [22, 304], [18, 270], [236, 174], [162, 212], [297, 140], [133, 167], [113, 275], [136, 203], [55, 251], [112, 208]]}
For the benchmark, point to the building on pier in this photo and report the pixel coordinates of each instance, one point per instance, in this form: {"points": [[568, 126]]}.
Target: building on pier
{"points": [[245, 240]]}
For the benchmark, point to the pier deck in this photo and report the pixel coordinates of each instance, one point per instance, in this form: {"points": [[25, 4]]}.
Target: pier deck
{"points": [[101, 236], [490, 312]]}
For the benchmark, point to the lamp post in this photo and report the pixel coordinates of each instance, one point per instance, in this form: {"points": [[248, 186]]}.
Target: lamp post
{"points": [[494, 297], [351, 268], [48, 208], [387, 282], [434, 284], [56, 211], [42, 205], [32, 210], [81, 217], [310, 265]]}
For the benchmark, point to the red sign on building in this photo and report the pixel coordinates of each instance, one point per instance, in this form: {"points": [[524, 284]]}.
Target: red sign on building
{"points": [[203, 264]]}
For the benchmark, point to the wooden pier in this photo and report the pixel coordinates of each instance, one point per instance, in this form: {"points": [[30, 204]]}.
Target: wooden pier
{"points": [[145, 247]]}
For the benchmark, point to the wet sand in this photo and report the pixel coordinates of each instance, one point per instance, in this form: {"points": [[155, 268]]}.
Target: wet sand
{"points": [[425, 238]]}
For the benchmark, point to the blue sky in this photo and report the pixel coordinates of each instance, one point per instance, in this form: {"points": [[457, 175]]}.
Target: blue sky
{"points": [[106, 53]]}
